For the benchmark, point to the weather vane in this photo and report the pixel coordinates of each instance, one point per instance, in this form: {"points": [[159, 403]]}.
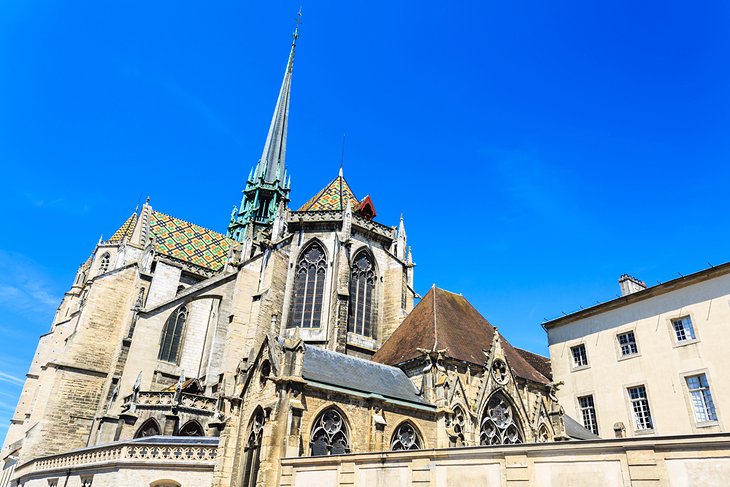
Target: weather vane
{"points": [[298, 22]]}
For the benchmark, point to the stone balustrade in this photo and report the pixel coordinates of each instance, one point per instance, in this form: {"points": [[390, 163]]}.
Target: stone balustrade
{"points": [[201, 451], [168, 399]]}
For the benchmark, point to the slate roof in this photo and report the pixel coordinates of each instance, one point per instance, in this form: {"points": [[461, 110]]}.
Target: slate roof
{"points": [[125, 230], [576, 430], [333, 197], [189, 242], [444, 320], [357, 374], [540, 362]]}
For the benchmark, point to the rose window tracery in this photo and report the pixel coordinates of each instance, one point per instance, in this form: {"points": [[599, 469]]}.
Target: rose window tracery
{"points": [[405, 438], [499, 371], [329, 435], [498, 426]]}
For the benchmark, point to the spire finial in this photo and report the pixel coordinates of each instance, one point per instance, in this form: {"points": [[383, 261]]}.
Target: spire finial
{"points": [[342, 159]]}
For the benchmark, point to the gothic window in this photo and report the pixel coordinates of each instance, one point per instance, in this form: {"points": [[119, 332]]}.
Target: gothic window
{"points": [[87, 480], [499, 371], [457, 426], [140, 299], [405, 438], [104, 265], [148, 428], [499, 425], [309, 288], [329, 435], [543, 435], [191, 428], [362, 288], [253, 449], [172, 336]]}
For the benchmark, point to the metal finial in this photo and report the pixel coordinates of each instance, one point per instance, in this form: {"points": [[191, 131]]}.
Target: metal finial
{"points": [[298, 21], [342, 159]]}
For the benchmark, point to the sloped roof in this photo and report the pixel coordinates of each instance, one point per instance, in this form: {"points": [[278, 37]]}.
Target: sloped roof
{"points": [[333, 197], [357, 374], [576, 431], [188, 242], [444, 320], [125, 230], [540, 362]]}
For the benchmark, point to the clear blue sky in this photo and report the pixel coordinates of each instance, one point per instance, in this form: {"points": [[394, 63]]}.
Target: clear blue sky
{"points": [[537, 149]]}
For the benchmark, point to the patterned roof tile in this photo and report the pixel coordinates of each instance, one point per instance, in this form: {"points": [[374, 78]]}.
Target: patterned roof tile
{"points": [[333, 197], [125, 230], [189, 242]]}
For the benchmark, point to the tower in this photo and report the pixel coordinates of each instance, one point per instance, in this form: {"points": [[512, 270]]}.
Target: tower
{"points": [[267, 186]]}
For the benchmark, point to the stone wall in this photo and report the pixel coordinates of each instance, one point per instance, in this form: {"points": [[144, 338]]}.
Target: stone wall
{"points": [[665, 461]]}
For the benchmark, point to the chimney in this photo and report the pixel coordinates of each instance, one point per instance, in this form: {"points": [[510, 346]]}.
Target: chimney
{"points": [[630, 285]]}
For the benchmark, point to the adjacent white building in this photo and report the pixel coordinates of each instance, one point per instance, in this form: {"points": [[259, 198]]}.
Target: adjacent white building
{"points": [[651, 362]]}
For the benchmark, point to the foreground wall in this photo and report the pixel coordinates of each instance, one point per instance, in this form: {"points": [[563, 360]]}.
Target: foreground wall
{"points": [[658, 461]]}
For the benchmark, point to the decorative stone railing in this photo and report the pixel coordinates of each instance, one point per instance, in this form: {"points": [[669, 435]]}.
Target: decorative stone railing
{"points": [[135, 451], [171, 399], [332, 216]]}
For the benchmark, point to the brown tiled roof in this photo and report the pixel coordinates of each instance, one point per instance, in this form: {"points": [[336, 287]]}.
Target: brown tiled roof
{"points": [[539, 362], [444, 320]]}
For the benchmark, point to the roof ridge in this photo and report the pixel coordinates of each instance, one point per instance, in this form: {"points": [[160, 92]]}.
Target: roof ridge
{"points": [[191, 223], [435, 327]]}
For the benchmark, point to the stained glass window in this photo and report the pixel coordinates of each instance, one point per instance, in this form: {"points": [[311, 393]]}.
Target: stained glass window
{"points": [[172, 336], [309, 288], [405, 438], [362, 288], [499, 426], [329, 435]]}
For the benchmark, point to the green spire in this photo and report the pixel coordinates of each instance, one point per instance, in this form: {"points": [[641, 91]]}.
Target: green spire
{"points": [[267, 186]]}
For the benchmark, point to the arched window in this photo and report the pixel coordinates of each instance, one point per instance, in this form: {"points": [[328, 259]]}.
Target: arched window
{"points": [[148, 428], [543, 436], [405, 437], [457, 426], [191, 428], [104, 265], [499, 425], [309, 288], [329, 434], [362, 288], [253, 448], [172, 336]]}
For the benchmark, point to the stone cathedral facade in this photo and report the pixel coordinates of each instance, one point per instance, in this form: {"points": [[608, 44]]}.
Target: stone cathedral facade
{"points": [[184, 356]]}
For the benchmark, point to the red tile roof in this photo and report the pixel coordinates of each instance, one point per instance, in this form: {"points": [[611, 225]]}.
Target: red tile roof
{"points": [[444, 320]]}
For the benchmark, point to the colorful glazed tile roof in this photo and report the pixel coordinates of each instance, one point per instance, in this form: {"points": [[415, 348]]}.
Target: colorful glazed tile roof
{"points": [[125, 230], [333, 197], [189, 242]]}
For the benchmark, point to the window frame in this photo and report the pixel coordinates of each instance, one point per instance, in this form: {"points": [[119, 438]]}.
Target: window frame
{"points": [[309, 333], [673, 332], [573, 366], [690, 403], [630, 407], [580, 410], [186, 308], [619, 346], [354, 328]]}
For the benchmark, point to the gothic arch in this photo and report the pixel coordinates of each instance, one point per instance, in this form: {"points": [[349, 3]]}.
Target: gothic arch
{"points": [[543, 433], [500, 422], [149, 428], [457, 425], [308, 290], [330, 433], [252, 449], [191, 428], [362, 315], [172, 336], [406, 436], [104, 263]]}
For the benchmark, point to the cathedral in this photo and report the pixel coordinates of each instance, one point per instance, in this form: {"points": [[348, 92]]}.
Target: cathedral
{"points": [[181, 356]]}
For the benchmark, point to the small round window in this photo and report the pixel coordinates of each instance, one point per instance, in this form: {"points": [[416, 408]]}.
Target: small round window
{"points": [[499, 371]]}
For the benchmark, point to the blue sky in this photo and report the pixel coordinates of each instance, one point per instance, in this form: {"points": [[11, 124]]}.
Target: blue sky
{"points": [[537, 150]]}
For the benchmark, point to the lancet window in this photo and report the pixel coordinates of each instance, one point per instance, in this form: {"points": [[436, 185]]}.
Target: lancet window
{"points": [[499, 425], [191, 428], [362, 289], [172, 336], [148, 428], [456, 425], [253, 449], [104, 265], [405, 438], [309, 288], [329, 434]]}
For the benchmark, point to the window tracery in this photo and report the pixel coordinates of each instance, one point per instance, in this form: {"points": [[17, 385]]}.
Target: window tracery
{"points": [[499, 426], [253, 449], [104, 265], [457, 424], [148, 428], [329, 434], [362, 289], [499, 371], [191, 428], [172, 336], [405, 438], [309, 288]]}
